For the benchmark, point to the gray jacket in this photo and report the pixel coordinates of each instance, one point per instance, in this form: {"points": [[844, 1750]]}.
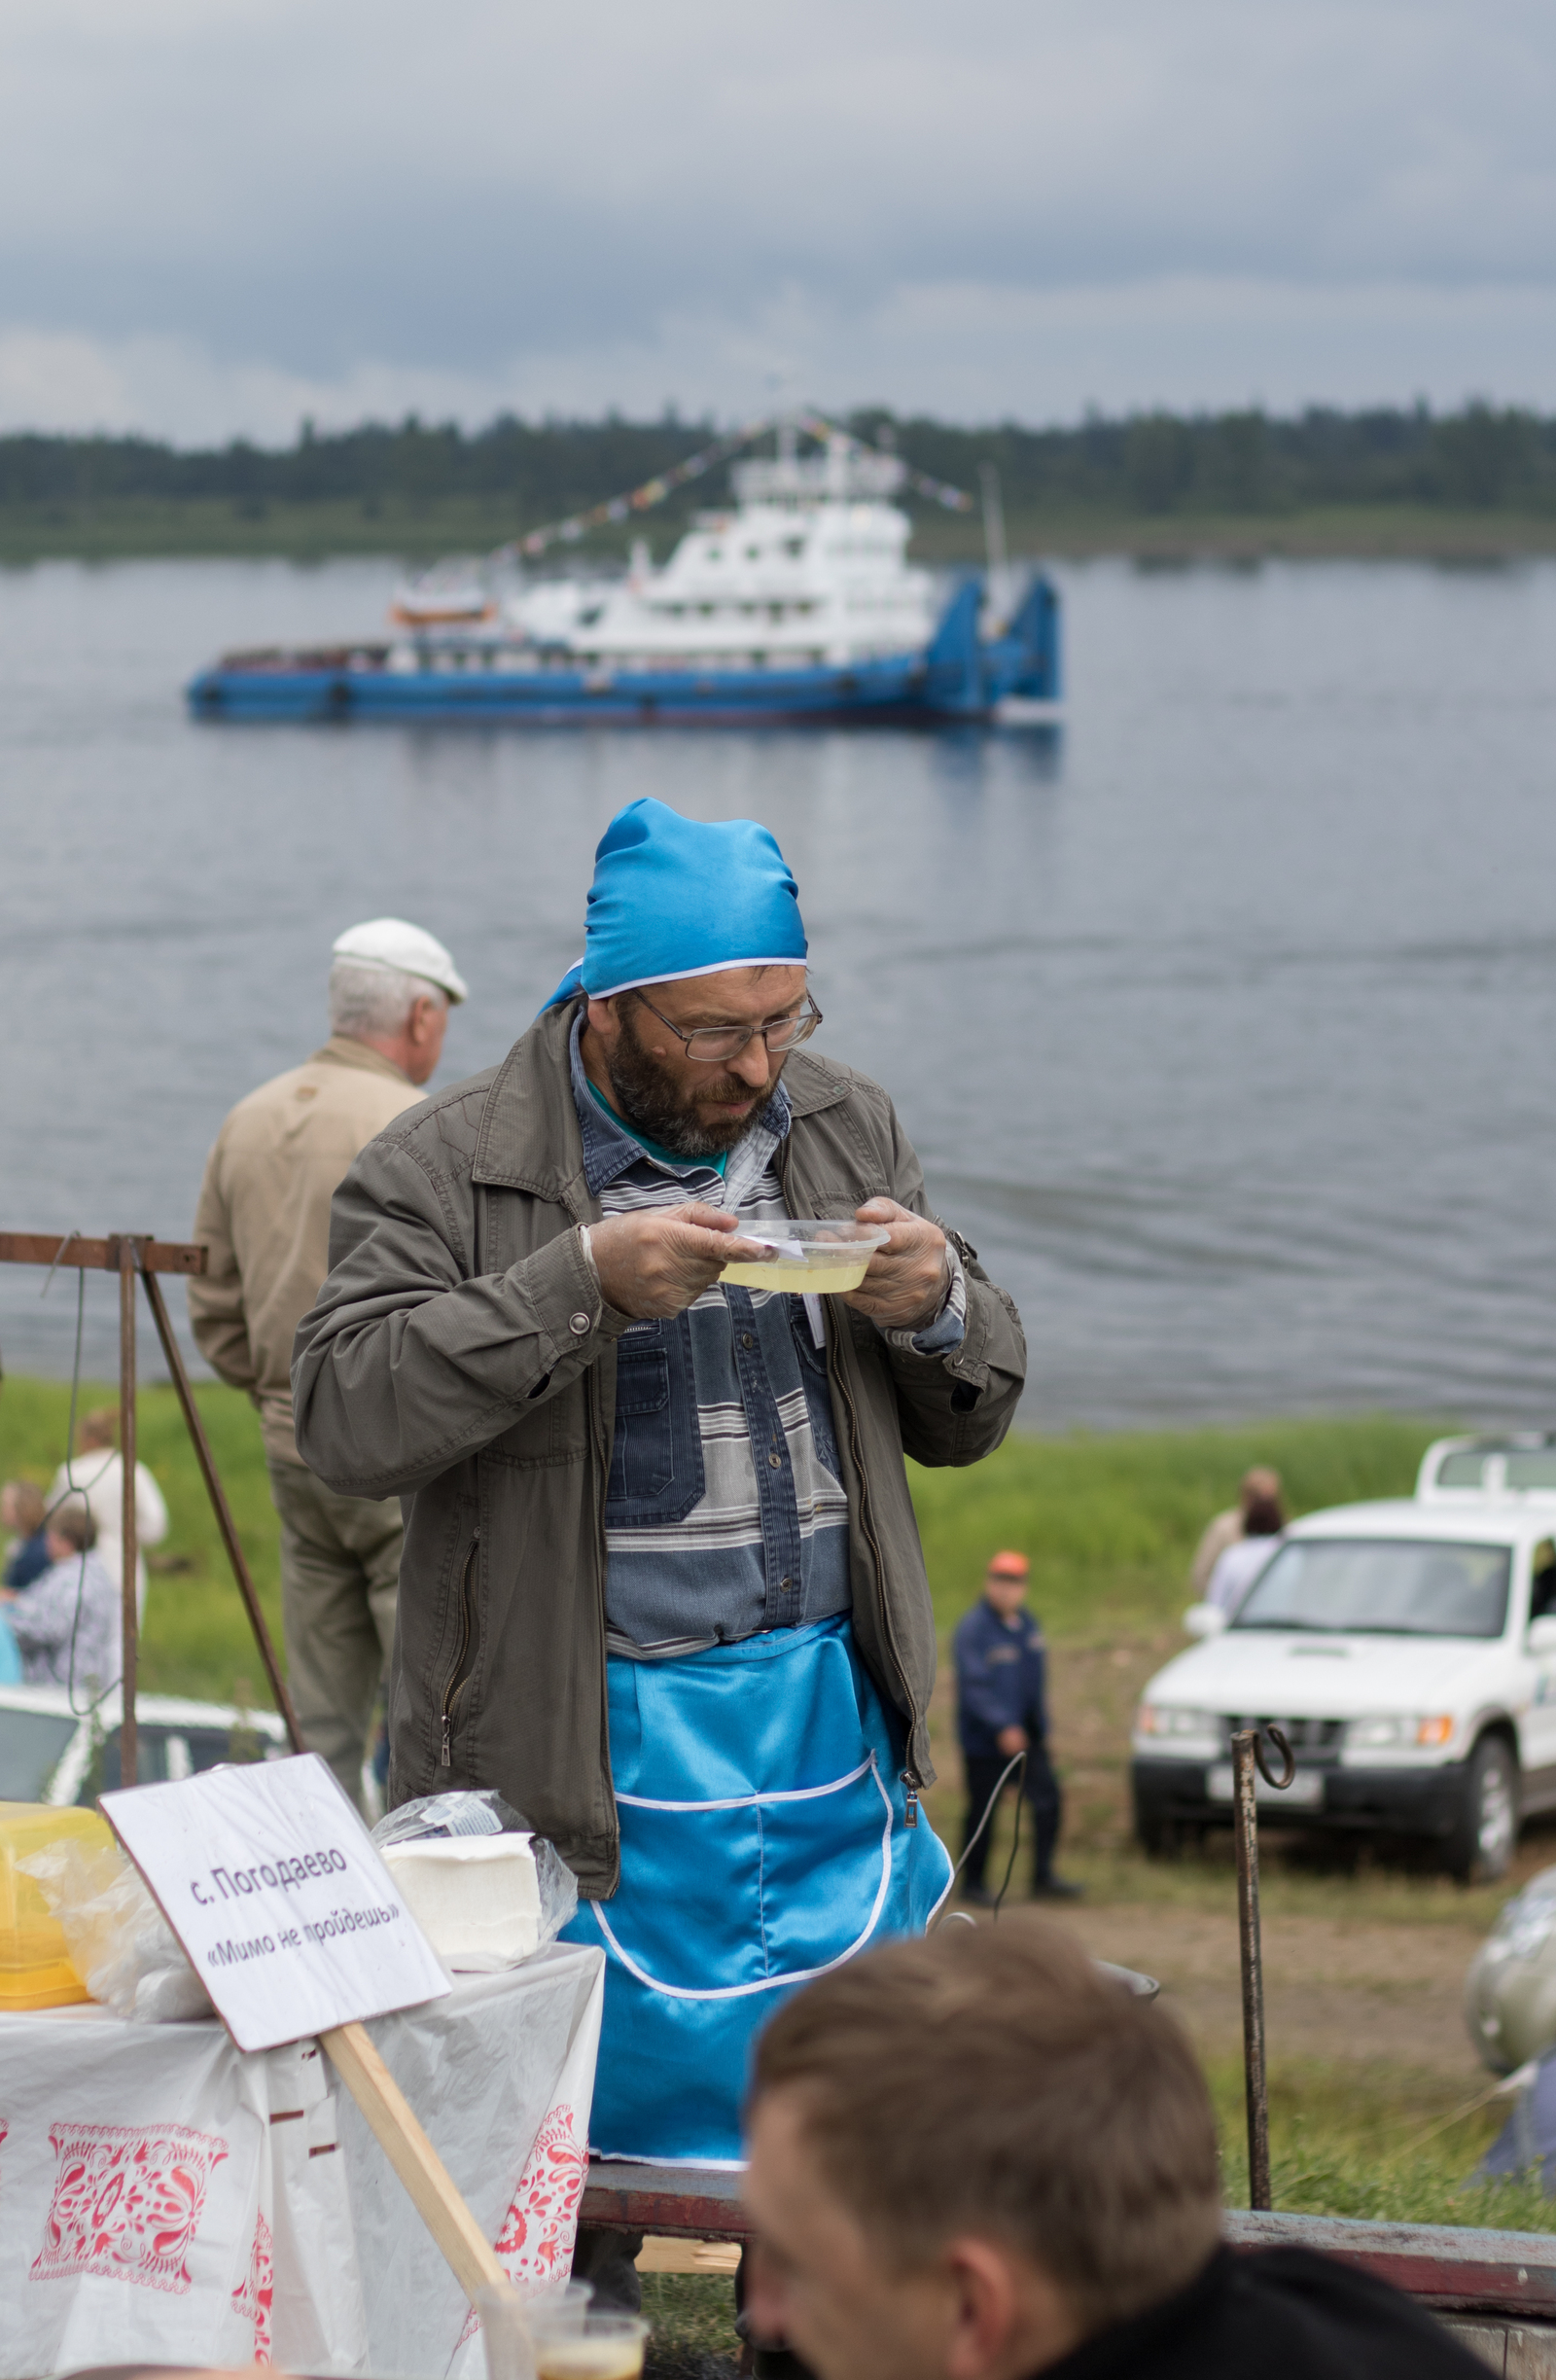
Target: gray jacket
{"points": [[460, 1356]]}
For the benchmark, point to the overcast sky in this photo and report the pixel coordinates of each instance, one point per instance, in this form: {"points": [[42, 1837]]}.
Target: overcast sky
{"points": [[218, 215]]}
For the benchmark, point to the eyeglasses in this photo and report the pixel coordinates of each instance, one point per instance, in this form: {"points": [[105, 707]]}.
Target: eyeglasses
{"points": [[709, 1044]]}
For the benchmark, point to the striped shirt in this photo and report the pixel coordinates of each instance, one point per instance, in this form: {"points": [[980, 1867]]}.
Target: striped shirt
{"points": [[724, 1511]]}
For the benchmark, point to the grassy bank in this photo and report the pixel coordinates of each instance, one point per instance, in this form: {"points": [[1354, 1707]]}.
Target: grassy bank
{"points": [[1110, 1523], [138, 528]]}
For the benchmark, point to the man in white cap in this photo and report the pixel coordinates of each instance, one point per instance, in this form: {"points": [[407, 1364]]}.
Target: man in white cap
{"points": [[264, 1216]]}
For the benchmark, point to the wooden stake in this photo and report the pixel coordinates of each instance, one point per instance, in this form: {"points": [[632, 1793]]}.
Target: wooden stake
{"points": [[443, 2209], [220, 1507]]}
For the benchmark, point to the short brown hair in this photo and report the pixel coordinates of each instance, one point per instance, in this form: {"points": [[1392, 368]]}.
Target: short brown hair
{"points": [[991, 2081], [75, 1524], [101, 1427], [28, 1506]]}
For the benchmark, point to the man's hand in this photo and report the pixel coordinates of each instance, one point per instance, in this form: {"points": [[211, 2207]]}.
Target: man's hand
{"points": [[661, 1262], [904, 1287], [1011, 1740]]}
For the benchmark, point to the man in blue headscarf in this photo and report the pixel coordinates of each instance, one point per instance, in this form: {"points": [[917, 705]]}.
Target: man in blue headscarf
{"points": [[662, 1586]]}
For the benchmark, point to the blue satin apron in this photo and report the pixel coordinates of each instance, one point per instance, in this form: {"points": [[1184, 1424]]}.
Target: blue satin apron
{"points": [[764, 1840]]}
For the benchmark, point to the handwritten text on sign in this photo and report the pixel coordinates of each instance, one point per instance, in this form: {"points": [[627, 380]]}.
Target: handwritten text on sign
{"points": [[288, 1915]]}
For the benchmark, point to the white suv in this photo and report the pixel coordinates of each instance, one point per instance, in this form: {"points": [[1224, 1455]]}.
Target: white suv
{"points": [[1408, 1650]]}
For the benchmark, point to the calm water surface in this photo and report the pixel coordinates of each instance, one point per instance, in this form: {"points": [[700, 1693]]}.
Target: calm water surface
{"points": [[1224, 1024]]}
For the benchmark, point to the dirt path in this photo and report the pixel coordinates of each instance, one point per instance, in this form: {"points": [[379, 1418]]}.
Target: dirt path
{"points": [[1334, 1989]]}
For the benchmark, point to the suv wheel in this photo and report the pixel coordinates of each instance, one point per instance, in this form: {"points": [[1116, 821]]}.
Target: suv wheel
{"points": [[1485, 1832]]}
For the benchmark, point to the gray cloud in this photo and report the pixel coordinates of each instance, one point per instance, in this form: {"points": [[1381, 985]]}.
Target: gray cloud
{"points": [[481, 196]]}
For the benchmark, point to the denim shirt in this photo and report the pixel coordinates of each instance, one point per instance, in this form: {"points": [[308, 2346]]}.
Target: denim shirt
{"points": [[724, 1514]]}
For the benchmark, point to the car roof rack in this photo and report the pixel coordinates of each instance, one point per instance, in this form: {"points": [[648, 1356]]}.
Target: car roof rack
{"points": [[1492, 1462]]}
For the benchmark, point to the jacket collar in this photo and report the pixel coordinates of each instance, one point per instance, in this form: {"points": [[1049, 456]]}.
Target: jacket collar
{"points": [[530, 1138], [344, 1050]]}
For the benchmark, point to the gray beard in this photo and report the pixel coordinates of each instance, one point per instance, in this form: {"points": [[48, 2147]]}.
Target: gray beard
{"points": [[644, 1095]]}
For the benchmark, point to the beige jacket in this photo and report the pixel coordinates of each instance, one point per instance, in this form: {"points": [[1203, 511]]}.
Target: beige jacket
{"points": [[264, 1216]]}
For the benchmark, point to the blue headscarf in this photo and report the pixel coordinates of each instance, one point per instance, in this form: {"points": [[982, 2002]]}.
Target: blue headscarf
{"points": [[675, 896]]}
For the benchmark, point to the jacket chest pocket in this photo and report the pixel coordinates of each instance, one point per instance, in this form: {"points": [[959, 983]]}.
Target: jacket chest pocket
{"points": [[656, 1467]]}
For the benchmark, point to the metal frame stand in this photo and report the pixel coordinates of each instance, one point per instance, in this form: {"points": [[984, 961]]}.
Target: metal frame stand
{"points": [[1247, 1751], [138, 1256]]}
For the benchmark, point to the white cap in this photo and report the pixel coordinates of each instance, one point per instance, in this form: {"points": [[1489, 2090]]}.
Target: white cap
{"points": [[389, 942]]}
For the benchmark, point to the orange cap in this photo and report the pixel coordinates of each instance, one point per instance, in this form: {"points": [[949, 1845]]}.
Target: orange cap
{"points": [[1009, 1565]]}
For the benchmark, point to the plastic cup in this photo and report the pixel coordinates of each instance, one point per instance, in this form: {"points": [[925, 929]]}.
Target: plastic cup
{"points": [[827, 1258], [601, 2347], [511, 2315]]}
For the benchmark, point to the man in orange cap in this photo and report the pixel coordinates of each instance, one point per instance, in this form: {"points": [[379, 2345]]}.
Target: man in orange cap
{"points": [[1001, 1662]]}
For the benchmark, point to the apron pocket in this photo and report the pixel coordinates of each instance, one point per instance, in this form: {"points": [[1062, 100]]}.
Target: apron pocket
{"points": [[758, 1892]]}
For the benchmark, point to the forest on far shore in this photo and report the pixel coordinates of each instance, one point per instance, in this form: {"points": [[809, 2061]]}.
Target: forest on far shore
{"points": [[420, 484]]}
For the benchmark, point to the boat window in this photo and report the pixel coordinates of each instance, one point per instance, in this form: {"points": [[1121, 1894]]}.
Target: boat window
{"points": [[1381, 1586]]}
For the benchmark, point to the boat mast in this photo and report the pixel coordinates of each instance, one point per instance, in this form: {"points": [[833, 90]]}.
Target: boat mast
{"points": [[994, 541]]}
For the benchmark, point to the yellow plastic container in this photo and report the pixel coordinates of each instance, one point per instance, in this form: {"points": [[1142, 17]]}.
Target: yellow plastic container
{"points": [[35, 1970]]}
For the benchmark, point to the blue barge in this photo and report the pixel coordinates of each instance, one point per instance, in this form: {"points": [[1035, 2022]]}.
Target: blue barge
{"points": [[440, 676]]}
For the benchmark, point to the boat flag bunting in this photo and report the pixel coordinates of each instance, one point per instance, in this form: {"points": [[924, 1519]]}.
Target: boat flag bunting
{"points": [[535, 542]]}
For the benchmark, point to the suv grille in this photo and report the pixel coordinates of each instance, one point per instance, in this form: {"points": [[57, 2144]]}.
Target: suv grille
{"points": [[1315, 1741]]}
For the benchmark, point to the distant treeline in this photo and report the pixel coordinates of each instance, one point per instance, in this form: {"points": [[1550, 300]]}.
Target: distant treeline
{"points": [[522, 474]]}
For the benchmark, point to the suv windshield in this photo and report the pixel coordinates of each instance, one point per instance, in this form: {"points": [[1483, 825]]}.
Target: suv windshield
{"points": [[1377, 1586], [31, 1745]]}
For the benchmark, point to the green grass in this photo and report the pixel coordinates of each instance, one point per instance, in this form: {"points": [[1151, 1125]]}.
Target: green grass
{"points": [[1385, 2145], [693, 2317], [196, 1638], [1110, 1525]]}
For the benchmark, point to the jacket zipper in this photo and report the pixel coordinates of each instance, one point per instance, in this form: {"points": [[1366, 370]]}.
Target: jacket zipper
{"points": [[457, 1678]]}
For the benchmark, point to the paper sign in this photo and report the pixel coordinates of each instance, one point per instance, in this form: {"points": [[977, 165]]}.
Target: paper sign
{"points": [[269, 1880]]}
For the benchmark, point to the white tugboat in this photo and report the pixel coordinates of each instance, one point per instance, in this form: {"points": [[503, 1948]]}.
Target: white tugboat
{"points": [[798, 603]]}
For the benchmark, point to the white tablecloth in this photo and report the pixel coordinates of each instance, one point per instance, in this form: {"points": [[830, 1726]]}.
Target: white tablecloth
{"points": [[163, 2196]]}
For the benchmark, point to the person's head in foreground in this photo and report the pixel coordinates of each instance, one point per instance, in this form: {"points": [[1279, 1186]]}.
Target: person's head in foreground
{"points": [[976, 2155]]}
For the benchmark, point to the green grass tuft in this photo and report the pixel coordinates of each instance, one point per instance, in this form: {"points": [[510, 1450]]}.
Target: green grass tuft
{"points": [[1110, 1525], [196, 1639]]}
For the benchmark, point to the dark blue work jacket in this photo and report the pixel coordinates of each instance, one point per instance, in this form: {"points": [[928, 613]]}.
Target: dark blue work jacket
{"points": [[999, 1679]]}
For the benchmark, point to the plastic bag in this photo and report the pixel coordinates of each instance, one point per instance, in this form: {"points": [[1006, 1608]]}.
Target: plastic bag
{"points": [[461, 1922], [120, 1943]]}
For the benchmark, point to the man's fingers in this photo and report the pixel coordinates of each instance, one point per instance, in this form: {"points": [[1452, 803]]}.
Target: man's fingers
{"points": [[884, 1210], [706, 1218], [718, 1248]]}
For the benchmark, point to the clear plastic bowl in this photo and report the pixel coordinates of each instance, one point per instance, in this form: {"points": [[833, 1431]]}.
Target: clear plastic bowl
{"points": [[831, 1258]]}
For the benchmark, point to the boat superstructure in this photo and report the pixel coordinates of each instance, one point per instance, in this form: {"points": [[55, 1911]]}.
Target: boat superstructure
{"points": [[797, 601]]}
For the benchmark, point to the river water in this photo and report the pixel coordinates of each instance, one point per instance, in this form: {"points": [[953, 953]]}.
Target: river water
{"points": [[1224, 1021]]}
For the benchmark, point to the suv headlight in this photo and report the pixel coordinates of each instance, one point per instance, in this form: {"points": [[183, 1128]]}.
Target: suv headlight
{"points": [[1400, 1730], [1165, 1718]]}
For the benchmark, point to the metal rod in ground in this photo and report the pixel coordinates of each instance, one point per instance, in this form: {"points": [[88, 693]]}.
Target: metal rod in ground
{"points": [[219, 1504], [1245, 1806], [128, 1748]]}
